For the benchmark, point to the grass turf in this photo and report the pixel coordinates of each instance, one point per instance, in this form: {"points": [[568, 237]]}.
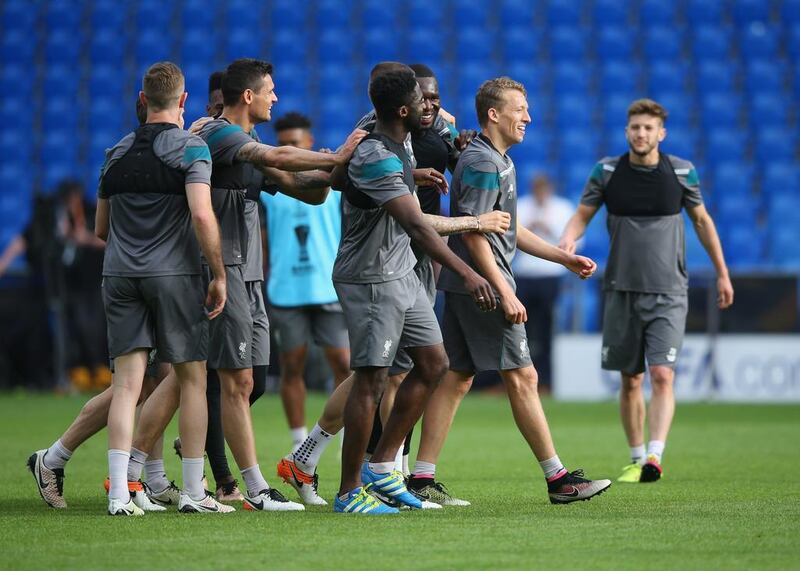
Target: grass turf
{"points": [[730, 498]]}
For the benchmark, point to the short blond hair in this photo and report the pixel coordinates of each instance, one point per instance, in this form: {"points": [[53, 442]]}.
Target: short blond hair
{"points": [[490, 96], [647, 107], [163, 84]]}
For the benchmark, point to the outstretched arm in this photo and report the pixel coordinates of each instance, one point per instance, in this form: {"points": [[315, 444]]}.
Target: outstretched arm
{"points": [[311, 187], [495, 221], [707, 233], [290, 158], [576, 227], [532, 244]]}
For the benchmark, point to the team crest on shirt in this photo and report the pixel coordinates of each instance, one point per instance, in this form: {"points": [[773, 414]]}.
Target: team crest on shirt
{"points": [[672, 355], [604, 354], [510, 191], [387, 346], [523, 347], [242, 349]]}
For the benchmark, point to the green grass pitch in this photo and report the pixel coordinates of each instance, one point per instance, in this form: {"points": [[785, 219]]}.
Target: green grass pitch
{"points": [[730, 499]]}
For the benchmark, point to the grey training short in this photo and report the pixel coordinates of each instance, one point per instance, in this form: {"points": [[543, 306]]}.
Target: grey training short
{"points": [[159, 312], [384, 317], [402, 361], [639, 326], [323, 323], [239, 336], [477, 340]]}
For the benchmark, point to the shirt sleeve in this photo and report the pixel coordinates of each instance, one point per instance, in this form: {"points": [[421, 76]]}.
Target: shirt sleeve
{"points": [[687, 176], [449, 135], [378, 174], [595, 185], [225, 141], [479, 189], [196, 161]]}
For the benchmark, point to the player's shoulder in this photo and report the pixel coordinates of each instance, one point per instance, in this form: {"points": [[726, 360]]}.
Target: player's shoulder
{"points": [[604, 168], [217, 129], [121, 146], [367, 122], [480, 156], [680, 165], [373, 159], [443, 128], [182, 146]]}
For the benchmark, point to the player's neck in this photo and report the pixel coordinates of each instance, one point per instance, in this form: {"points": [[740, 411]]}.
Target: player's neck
{"points": [[238, 116], [649, 160], [396, 131], [496, 140], [166, 116]]}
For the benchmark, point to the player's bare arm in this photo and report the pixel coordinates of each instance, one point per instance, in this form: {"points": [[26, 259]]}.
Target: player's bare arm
{"points": [[576, 227], [534, 245], [294, 159], [481, 253], [206, 228], [101, 219], [431, 177], [707, 233], [496, 221], [311, 187], [405, 209]]}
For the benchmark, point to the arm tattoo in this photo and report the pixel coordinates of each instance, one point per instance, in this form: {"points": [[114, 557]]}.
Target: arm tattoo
{"points": [[445, 226], [308, 180], [252, 153]]}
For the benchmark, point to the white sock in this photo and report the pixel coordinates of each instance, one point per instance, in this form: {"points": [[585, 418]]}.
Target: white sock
{"points": [[552, 468], [381, 467], [254, 480], [193, 477], [309, 452], [56, 456], [155, 475], [118, 475], [398, 460], [298, 436], [637, 454], [425, 469], [406, 471], [135, 464], [656, 447]]}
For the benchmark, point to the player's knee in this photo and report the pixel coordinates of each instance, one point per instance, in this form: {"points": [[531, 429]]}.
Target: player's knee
{"points": [[239, 386], [433, 370], [632, 383], [661, 378], [523, 381]]}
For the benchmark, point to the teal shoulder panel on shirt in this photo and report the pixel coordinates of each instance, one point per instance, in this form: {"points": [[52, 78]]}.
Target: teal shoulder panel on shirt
{"points": [[221, 133], [192, 154], [381, 168], [480, 179], [597, 173]]}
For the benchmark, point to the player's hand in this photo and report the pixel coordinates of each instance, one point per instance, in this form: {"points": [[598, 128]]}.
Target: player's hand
{"points": [[447, 116], [431, 177], [568, 245], [724, 292], [326, 150], [348, 148], [465, 138], [480, 290], [495, 221], [216, 298], [513, 309], [195, 127], [581, 265]]}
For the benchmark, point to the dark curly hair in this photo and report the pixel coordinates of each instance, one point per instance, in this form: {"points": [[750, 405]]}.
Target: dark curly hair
{"points": [[292, 120], [391, 90]]}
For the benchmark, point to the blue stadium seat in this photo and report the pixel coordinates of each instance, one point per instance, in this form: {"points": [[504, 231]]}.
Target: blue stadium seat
{"points": [[790, 11], [564, 12], [614, 42], [289, 15], [61, 78], [61, 46], [769, 108], [720, 109], [339, 106], [537, 147], [533, 75], [733, 179], [574, 177], [474, 44], [291, 80], [59, 146], [106, 47], [425, 44], [568, 43], [107, 15], [467, 13], [711, 42], [471, 75], [667, 75], [198, 45], [715, 75], [16, 146], [290, 46], [758, 41], [611, 13], [106, 81], [519, 45], [615, 111], [744, 246], [663, 42], [375, 15], [765, 75], [780, 177], [679, 104], [432, 13], [335, 46], [571, 77], [20, 15], [151, 15], [239, 43], [783, 208], [60, 109], [16, 112], [334, 79], [332, 14], [793, 41], [620, 76], [153, 45], [198, 15], [16, 47], [726, 145], [746, 11], [784, 245], [704, 12], [63, 15], [574, 110], [108, 113], [382, 46], [665, 13], [517, 13], [540, 106], [681, 141], [15, 78], [578, 146], [775, 144]]}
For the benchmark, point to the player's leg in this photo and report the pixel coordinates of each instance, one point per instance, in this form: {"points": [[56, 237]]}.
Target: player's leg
{"points": [[632, 413], [293, 391], [329, 331], [225, 484]]}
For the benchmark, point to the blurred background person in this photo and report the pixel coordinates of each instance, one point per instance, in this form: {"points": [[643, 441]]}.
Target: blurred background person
{"points": [[538, 281]]}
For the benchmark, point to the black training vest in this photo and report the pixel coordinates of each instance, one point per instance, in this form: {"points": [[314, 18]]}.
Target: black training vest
{"points": [[633, 192], [141, 171], [430, 151], [238, 176], [359, 199]]}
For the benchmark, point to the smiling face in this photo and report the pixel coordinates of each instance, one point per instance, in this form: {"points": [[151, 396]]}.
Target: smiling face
{"points": [[511, 117], [430, 95], [416, 108], [644, 133], [261, 100]]}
